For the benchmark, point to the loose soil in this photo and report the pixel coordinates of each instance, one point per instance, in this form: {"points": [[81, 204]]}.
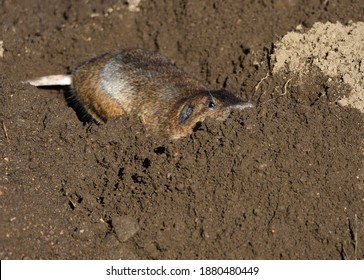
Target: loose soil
{"points": [[284, 180]]}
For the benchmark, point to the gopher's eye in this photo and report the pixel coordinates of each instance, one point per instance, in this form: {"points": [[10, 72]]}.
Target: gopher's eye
{"points": [[211, 104]]}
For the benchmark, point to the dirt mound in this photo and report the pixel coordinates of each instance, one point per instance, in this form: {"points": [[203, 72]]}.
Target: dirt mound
{"points": [[337, 50]]}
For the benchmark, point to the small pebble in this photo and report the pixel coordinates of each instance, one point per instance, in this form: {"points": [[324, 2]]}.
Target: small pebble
{"points": [[125, 227]]}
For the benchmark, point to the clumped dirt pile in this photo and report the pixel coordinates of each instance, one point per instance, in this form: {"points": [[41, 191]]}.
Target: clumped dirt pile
{"points": [[283, 180], [337, 50]]}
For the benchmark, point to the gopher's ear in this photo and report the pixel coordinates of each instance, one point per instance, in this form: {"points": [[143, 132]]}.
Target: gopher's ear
{"points": [[186, 113]]}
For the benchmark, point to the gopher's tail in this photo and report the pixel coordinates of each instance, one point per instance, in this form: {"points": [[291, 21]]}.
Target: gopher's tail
{"points": [[52, 80]]}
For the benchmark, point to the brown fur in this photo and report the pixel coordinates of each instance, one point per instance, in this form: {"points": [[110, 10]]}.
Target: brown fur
{"points": [[85, 82], [151, 87]]}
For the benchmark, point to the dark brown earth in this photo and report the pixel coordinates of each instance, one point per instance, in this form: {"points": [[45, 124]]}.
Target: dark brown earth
{"points": [[280, 181]]}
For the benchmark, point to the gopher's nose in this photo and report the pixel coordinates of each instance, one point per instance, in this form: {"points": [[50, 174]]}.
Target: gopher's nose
{"points": [[242, 106]]}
